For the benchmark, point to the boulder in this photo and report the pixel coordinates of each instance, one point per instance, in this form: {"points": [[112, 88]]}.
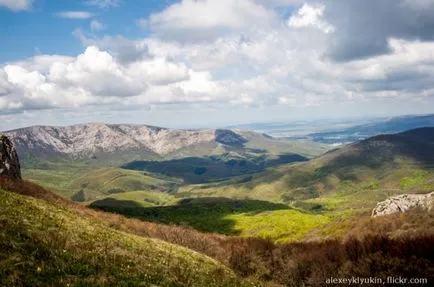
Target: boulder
{"points": [[402, 203], [9, 162]]}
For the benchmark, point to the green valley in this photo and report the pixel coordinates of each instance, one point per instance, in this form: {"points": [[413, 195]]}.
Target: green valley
{"points": [[344, 183]]}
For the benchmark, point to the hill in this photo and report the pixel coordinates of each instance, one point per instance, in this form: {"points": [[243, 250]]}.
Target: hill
{"points": [[355, 176], [45, 244], [57, 245]]}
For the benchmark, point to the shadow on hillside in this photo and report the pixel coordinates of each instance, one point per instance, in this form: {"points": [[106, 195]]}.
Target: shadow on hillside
{"points": [[203, 214], [197, 170]]}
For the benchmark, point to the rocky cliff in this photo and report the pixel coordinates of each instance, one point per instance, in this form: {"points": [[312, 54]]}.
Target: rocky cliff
{"points": [[87, 139], [9, 163], [402, 203]]}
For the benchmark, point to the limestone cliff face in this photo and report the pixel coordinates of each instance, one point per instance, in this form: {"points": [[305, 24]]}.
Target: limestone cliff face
{"points": [[9, 162], [88, 139], [402, 203]]}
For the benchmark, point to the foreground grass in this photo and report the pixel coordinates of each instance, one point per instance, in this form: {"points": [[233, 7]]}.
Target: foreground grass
{"points": [[399, 244], [46, 245]]}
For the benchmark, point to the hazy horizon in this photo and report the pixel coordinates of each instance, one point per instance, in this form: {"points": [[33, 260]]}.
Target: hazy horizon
{"points": [[348, 121]]}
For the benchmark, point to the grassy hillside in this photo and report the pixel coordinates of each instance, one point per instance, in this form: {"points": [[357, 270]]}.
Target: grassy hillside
{"points": [[56, 246], [276, 146], [355, 176], [85, 183], [397, 244], [116, 180], [88, 179], [143, 197]]}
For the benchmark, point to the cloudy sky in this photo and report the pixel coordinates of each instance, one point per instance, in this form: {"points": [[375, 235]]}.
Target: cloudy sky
{"points": [[192, 63]]}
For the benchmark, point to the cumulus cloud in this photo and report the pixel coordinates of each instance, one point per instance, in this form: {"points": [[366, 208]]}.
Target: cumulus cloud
{"points": [[240, 53], [96, 77], [123, 49], [16, 5], [310, 16], [193, 20], [364, 27]]}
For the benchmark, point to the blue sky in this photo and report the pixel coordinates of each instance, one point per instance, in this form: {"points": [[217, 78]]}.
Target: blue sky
{"points": [[190, 63], [39, 30]]}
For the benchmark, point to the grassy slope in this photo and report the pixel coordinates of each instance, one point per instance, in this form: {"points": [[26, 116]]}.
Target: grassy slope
{"points": [[275, 146], [46, 245], [95, 182], [397, 244], [356, 176], [66, 176], [144, 197], [255, 141], [343, 184], [57, 176]]}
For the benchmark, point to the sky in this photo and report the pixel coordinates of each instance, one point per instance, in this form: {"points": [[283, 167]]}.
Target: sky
{"points": [[203, 63]]}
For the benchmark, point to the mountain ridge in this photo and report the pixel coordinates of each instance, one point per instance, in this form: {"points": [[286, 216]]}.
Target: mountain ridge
{"points": [[84, 140]]}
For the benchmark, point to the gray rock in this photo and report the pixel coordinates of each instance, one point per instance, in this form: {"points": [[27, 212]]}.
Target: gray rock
{"points": [[402, 203], [9, 162]]}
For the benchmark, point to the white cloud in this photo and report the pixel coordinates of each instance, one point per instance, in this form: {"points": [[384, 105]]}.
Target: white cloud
{"points": [[310, 16], [17, 5], [123, 49], [79, 15], [207, 19], [95, 77], [159, 71], [96, 26], [240, 53]]}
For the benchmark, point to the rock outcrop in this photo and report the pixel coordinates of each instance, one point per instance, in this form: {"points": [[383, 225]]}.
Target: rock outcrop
{"points": [[9, 163], [402, 203]]}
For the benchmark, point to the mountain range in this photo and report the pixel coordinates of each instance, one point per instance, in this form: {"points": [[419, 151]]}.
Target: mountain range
{"points": [[88, 139]]}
